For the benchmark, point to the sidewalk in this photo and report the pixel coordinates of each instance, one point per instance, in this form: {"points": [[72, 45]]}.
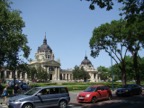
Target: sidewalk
{"points": [[2, 105]]}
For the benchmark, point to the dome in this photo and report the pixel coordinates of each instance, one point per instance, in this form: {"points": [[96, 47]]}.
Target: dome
{"points": [[86, 61], [44, 47]]}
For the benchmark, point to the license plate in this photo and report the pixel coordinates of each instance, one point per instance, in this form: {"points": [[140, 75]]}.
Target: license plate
{"points": [[81, 97]]}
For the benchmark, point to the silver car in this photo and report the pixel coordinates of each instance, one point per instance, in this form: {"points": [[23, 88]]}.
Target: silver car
{"points": [[40, 97]]}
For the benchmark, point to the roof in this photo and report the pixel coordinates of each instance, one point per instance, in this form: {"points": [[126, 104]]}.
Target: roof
{"points": [[51, 87], [86, 61], [44, 47]]}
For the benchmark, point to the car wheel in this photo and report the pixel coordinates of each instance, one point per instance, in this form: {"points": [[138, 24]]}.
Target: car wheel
{"points": [[62, 104], [27, 106], [93, 100], [110, 97], [140, 92]]}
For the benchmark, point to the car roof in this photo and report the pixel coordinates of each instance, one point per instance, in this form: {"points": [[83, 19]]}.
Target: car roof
{"points": [[97, 85], [51, 87]]}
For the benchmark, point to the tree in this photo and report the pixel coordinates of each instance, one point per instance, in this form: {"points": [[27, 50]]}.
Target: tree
{"points": [[104, 73], [141, 68], [129, 69], [135, 40], [111, 39], [32, 72], [42, 74], [80, 73], [12, 41], [130, 9]]}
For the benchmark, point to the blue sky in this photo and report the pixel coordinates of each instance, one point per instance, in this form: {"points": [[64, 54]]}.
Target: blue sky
{"points": [[68, 25]]}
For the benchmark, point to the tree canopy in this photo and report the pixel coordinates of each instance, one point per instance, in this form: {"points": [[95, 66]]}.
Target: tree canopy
{"points": [[117, 40], [13, 41], [131, 9], [80, 74]]}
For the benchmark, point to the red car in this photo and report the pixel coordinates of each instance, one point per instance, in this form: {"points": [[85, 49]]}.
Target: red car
{"points": [[94, 93]]}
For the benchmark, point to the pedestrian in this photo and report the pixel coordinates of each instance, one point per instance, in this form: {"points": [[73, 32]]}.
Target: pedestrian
{"points": [[16, 89], [5, 94], [1, 88]]}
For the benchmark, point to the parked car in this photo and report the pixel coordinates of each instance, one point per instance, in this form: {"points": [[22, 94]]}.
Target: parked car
{"points": [[24, 86], [94, 93], [11, 82], [128, 90], [37, 97]]}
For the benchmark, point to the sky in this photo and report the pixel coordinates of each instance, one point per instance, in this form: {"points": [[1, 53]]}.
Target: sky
{"points": [[68, 25]]}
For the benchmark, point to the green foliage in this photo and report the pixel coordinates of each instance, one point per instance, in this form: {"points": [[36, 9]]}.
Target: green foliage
{"points": [[80, 74], [42, 74], [31, 73], [104, 73], [12, 41], [131, 9]]}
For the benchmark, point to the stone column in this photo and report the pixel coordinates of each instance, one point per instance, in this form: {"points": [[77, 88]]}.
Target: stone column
{"points": [[5, 72], [69, 77], [10, 76], [16, 74], [96, 78], [55, 74], [58, 71], [20, 75], [25, 76]]}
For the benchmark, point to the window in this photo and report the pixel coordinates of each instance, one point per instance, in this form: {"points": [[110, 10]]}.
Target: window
{"points": [[63, 90]]}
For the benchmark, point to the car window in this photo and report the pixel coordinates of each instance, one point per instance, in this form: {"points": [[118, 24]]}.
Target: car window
{"points": [[90, 89], [100, 88], [44, 91], [105, 88], [32, 91], [63, 90], [54, 90]]}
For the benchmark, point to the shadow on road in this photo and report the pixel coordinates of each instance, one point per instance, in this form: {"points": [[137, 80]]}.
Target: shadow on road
{"points": [[117, 102]]}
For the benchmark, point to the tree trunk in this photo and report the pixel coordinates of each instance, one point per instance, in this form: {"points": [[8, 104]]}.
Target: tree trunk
{"points": [[123, 71], [136, 69]]}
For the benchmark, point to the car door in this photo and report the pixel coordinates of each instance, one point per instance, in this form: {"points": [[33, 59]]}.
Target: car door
{"points": [[41, 99], [53, 97], [105, 92], [102, 92], [99, 93]]}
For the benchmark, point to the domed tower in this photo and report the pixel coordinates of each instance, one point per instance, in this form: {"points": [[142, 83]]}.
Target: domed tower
{"points": [[86, 64], [44, 52], [44, 58], [88, 67]]}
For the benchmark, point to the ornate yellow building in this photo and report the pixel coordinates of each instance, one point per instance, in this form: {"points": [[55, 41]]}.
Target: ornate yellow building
{"points": [[44, 57], [88, 67]]}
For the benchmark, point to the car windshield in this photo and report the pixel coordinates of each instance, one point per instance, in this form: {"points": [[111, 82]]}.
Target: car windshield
{"points": [[127, 86], [90, 89], [32, 91]]}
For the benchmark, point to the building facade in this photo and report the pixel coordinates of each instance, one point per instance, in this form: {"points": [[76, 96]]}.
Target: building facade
{"points": [[44, 57], [88, 67]]}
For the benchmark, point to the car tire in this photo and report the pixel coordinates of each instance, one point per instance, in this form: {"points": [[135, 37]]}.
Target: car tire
{"points": [[62, 104], [28, 105], [93, 100], [110, 97], [140, 93]]}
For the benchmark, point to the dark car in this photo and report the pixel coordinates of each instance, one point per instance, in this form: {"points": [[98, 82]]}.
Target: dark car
{"points": [[94, 93], [24, 86], [41, 97], [11, 82], [129, 90]]}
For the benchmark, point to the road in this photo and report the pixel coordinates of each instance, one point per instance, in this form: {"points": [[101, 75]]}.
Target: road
{"points": [[117, 102]]}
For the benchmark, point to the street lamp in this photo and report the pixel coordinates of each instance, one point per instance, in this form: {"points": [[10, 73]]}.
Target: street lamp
{"points": [[112, 73]]}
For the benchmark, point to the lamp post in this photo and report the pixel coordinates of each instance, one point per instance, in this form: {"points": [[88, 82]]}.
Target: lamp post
{"points": [[112, 72]]}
